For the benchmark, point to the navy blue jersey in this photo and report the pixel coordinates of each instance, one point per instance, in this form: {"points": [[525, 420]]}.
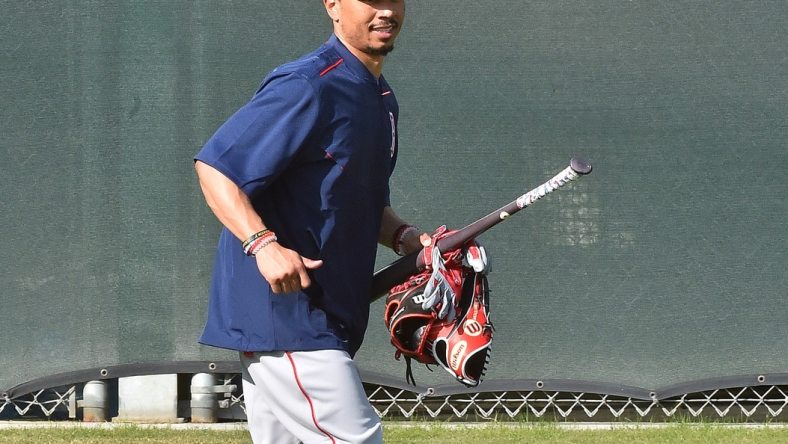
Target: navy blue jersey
{"points": [[313, 149]]}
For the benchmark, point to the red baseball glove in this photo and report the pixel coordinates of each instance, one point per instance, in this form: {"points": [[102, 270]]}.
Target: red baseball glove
{"points": [[442, 314]]}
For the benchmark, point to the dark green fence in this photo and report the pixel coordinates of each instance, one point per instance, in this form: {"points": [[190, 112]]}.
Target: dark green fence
{"points": [[666, 266]]}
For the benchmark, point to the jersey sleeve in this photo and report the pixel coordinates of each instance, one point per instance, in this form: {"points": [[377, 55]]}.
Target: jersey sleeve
{"points": [[260, 140]]}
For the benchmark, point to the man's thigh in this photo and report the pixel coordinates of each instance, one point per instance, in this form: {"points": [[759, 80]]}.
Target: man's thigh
{"points": [[316, 395]]}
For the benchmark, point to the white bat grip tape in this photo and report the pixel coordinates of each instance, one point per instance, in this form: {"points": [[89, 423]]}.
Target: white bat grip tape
{"points": [[559, 180]]}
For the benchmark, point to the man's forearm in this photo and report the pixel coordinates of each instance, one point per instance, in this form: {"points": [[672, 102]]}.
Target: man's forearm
{"points": [[388, 227], [228, 202], [393, 236]]}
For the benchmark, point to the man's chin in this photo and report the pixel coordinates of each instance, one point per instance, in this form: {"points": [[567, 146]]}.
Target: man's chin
{"points": [[382, 51]]}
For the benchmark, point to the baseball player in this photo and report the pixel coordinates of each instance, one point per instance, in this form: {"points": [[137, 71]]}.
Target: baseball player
{"points": [[299, 177]]}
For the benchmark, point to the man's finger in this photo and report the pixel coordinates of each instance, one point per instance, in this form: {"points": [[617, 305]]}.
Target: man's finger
{"points": [[312, 263], [304, 279]]}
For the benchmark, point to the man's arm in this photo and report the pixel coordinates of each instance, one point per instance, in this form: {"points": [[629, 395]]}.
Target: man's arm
{"points": [[283, 268], [394, 230]]}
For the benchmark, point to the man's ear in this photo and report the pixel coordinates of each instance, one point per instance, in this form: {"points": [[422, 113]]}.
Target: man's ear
{"points": [[332, 8]]}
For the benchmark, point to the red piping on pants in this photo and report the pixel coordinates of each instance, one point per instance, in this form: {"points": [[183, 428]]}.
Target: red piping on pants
{"points": [[308, 399]]}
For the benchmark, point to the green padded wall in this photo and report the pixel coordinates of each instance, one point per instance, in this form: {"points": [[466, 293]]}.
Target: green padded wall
{"points": [[667, 265]]}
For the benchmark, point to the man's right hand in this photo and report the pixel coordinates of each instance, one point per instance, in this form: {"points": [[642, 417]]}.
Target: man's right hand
{"points": [[285, 269]]}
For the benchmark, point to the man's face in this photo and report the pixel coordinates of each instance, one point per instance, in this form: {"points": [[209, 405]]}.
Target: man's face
{"points": [[368, 26]]}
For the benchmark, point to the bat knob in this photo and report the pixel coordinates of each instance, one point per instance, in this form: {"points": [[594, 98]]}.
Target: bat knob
{"points": [[580, 166]]}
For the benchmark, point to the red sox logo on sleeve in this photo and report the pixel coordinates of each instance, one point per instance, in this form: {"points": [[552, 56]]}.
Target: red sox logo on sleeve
{"points": [[393, 134]]}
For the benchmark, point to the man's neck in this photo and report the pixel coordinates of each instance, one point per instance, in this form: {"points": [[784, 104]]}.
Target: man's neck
{"points": [[373, 63]]}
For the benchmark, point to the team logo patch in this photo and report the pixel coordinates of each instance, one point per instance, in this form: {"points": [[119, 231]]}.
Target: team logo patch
{"points": [[457, 353], [393, 134], [472, 327]]}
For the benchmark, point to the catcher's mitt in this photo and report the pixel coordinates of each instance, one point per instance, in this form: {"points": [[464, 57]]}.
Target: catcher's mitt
{"points": [[442, 315]]}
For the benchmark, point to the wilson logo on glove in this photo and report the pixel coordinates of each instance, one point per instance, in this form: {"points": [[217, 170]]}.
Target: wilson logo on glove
{"points": [[472, 328], [419, 299], [457, 353]]}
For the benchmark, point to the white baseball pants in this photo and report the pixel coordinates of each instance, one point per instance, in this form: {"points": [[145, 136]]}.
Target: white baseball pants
{"points": [[307, 396]]}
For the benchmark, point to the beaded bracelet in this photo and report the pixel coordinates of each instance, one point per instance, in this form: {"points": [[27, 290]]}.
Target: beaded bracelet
{"points": [[258, 241]]}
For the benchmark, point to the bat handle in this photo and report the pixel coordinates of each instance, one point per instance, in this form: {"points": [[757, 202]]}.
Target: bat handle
{"points": [[580, 166], [393, 274], [577, 167]]}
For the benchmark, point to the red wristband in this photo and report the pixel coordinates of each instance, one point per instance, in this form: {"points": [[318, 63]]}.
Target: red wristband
{"points": [[399, 238], [397, 234]]}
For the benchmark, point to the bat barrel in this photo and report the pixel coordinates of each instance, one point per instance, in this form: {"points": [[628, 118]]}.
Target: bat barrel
{"points": [[400, 269]]}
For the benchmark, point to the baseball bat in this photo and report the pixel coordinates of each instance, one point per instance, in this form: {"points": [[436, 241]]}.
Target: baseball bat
{"points": [[406, 266]]}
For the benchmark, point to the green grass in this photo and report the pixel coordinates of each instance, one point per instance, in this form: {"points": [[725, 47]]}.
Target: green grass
{"points": [[432, 433], [124, 434], [546, 433]]}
